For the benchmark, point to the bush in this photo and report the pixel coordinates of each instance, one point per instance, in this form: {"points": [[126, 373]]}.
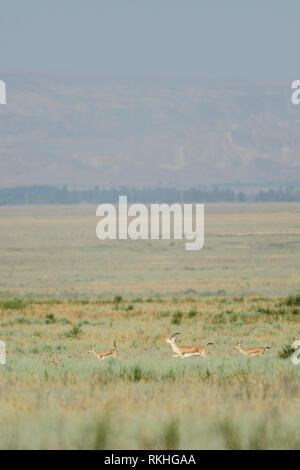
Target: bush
{"points": [[192, 313], [75, 332], [50, 318], [292, 300], [265, 311], [286, 352], [295, 311], [13, 304], [117, 300], [177, 317], [137, 374]]}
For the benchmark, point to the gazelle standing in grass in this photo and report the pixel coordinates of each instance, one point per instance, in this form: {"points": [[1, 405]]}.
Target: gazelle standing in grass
{"points": [[104, 354], [251, 351], [186, 351]]}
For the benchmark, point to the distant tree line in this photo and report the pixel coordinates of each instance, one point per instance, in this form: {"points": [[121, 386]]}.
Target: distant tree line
{"points": [[25, 195], [279, 195]]}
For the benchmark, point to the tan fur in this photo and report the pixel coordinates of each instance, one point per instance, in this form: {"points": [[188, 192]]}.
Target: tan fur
{"points": [[104, 354], [186, 351], [260, 351]]}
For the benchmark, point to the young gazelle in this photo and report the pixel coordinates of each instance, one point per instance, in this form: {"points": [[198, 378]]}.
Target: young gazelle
{"points": [[252, 351], [186, 351], [104, 354]]}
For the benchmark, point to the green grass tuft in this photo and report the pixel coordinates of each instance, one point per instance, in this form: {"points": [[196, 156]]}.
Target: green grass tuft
{"points": [[75, 332], [13, 304], [286, 352]]}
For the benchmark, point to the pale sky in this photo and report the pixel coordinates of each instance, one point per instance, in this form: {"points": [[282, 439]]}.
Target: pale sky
{"points": [[144, 38]]}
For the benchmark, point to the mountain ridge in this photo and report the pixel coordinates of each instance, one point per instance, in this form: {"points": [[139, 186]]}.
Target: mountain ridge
{"points": [[96, 131]]}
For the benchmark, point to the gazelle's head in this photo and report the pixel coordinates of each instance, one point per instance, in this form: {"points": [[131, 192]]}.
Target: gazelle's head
{"points": [[172, 338], [92, 349], [237, 346]]}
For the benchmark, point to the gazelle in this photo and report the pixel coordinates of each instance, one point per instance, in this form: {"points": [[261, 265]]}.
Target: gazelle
{"points": [[186, 351], [252, 351], [104, 354]]}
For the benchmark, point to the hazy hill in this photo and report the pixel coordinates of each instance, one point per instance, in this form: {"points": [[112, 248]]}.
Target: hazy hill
{"points": [[90, 130]]}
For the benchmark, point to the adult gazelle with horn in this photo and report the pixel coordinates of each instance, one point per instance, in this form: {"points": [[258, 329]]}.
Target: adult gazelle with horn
{"points": [[186, 351]]}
